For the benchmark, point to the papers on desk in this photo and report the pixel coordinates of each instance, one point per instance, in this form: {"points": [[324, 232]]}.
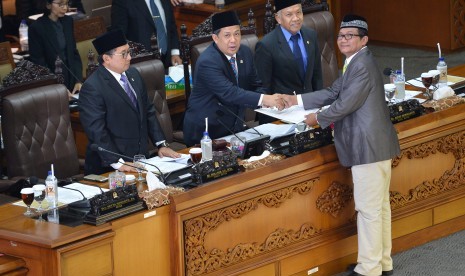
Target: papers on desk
{"points": [[167, 164], [293, 114], [273, 130]]}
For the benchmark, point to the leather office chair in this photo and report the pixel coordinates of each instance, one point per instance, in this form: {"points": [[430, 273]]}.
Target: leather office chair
{"points": [[37, 133], [192, 47], [323, 23], [153, 74]]}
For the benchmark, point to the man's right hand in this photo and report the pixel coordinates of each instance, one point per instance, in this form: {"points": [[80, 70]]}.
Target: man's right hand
{"points": [[273, 101], [289, 100]]}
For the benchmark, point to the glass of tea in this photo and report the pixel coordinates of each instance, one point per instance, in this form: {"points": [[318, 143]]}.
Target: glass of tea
{"points": [[427, 80], [39, 196], [27, 195], [196, 155]]}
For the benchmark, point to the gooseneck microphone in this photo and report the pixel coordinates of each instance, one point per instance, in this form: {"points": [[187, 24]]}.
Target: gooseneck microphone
{"points": [[237, 117], [96, 147], [220, 114], [83, 203]]}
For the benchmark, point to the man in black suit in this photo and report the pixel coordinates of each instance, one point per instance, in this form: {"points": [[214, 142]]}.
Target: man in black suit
{"points": [[114, 109], [139, 19], [278, 66]]}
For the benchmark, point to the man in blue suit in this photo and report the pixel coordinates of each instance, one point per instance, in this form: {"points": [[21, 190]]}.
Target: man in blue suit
{"points": [[225, 80], [115, 111]]}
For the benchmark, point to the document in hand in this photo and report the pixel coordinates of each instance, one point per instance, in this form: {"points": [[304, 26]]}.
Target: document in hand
{"points": [[293, 114]]}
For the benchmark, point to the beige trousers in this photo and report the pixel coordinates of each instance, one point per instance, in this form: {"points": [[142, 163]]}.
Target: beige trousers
{"points": [[371, 195]]}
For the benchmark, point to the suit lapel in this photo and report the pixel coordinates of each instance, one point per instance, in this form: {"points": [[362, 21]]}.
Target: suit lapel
{"points": [[309, 48], [144, 11], [232, 76], [117, 88]]}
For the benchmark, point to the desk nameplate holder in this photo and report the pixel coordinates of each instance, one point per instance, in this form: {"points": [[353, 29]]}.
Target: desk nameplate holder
{"points": [[114, 204], [219, 166], [303, 141], [405, 110]]}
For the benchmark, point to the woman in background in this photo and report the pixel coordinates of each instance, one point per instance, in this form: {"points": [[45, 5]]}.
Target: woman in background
{"points": [[52, 35]]}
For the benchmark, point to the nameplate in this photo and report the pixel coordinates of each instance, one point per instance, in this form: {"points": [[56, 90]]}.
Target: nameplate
{"points": [[113, 204], [221, 166], [405, 110], [310, 139]]}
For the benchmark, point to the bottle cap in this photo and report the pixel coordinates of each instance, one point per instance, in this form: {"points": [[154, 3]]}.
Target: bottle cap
{"points": [[441, 59], [49, 172], [397, 72]]}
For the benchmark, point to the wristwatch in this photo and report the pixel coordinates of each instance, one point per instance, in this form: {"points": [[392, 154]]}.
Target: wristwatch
{"points": [[163, 144]]}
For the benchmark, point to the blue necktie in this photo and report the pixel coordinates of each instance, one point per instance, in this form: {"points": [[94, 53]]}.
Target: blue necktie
{"points": [[161, 33], [298, 55], [232, 61], [128, 90]]}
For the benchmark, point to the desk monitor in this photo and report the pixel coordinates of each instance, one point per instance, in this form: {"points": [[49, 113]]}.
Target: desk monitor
{"points": [[256, 146]]}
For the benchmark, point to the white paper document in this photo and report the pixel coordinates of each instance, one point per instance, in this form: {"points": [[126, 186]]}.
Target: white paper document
{"points": [[167, 164], [293, 114], [273, 130]]}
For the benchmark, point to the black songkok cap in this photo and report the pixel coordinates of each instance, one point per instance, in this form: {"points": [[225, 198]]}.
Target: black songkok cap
{"points": [[109, 41], [282, 4], [354, 21], [224, 19]]}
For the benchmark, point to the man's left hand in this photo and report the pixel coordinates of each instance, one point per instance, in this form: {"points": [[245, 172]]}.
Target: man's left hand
{"points": [[310, 119], [167, 152]]}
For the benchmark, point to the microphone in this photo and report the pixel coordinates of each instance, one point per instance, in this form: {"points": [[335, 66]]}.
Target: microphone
{"points": [[95, 147], [67, 69], [83, 203], [237, 117], [220, 114], [252, 147], [387, 71]]}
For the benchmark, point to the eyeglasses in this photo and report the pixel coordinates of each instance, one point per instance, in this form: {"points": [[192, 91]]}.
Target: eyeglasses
{"points": [[124, 54], [347, 36], [61, 5]]}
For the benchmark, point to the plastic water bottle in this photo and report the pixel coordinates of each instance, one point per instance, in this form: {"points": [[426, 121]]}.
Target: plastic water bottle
{"points": [[219, 4], [207, 147], [400, 85], [442, 68], [23, 36], [51, 185]]}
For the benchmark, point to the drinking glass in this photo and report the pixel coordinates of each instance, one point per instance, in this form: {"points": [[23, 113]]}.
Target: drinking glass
{"points": [[435, 74], [27, 195], [427, 80], [139, 165], [39, 196], [196, 155], [390, 91]]}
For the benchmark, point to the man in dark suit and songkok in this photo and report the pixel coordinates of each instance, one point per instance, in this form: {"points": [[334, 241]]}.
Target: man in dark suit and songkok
{"points": [[115, 110], [365, 140], [225, 80]]}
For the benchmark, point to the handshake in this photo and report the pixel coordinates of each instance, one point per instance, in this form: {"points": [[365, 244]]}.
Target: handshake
{"points": [[279, 101]]}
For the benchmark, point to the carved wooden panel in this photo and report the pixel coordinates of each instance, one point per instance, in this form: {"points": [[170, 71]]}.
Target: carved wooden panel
{"points": [[199, 261], [451, 179], [458, 23], [335, 199]]}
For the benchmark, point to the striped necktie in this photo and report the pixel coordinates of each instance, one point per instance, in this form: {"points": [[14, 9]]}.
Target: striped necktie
{"points": [[232, 61], [161, 33], [127, 89]]}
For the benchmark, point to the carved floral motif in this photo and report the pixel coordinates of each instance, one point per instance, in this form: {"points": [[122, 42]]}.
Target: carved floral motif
{"points": [[450, 180], [199, 261], [335, 199], [458, 23]]}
